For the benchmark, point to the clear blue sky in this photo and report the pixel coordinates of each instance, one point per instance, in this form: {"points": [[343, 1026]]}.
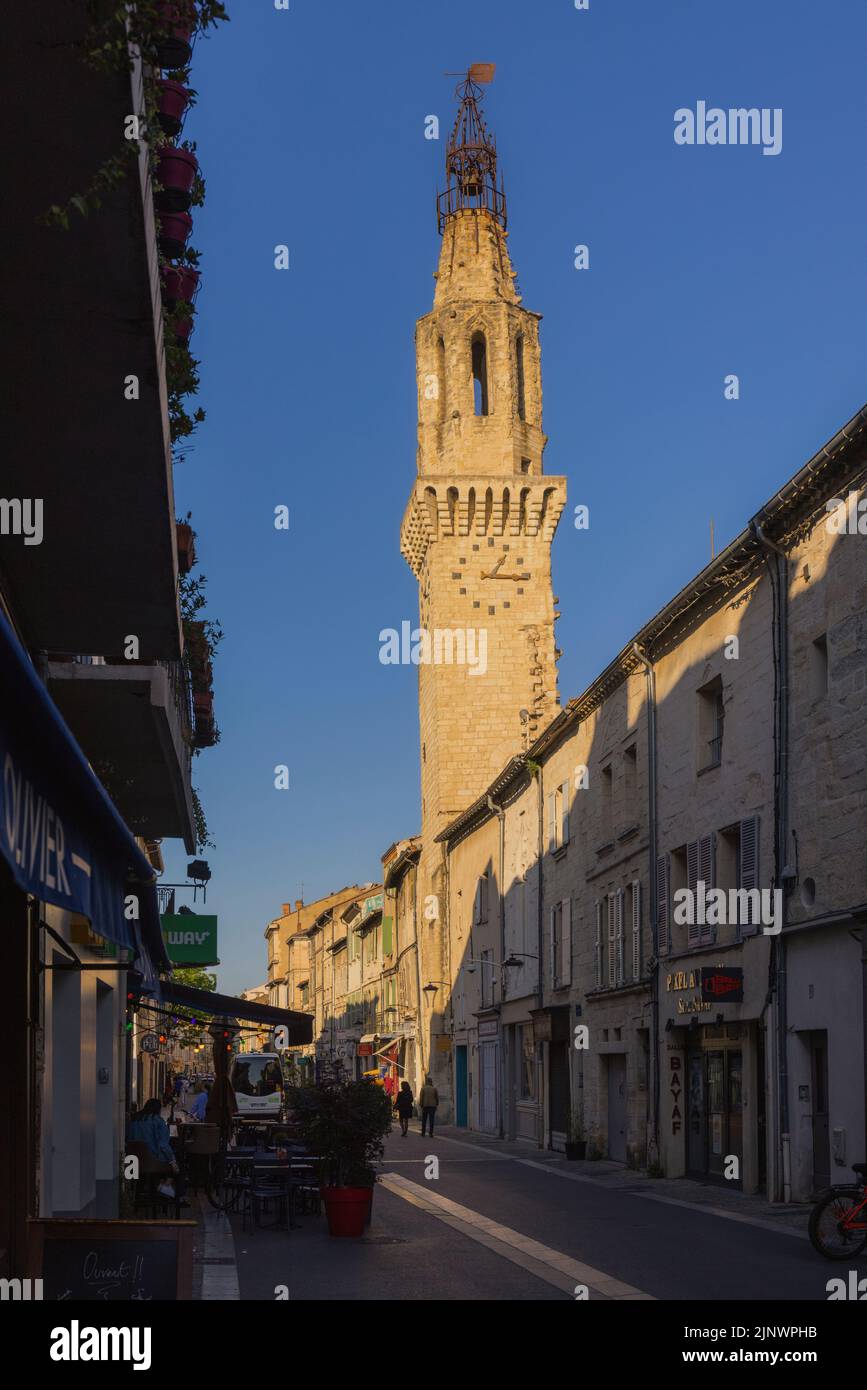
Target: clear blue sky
{"points": [[704, 261]]}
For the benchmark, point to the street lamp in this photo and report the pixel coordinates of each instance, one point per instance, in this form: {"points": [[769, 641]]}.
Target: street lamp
{"points": [[513, 958]]}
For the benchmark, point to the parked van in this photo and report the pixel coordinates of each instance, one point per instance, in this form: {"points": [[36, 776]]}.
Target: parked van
{"points": [[257, 1079]]}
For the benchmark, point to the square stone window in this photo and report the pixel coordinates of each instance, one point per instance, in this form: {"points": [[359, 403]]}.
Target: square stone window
{"points": [[475, 603], [462, 591], [506, 603], [491, 609], [520, 591]]}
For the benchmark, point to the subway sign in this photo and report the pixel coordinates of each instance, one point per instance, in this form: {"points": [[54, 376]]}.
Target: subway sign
{"points": [[191, 938]]}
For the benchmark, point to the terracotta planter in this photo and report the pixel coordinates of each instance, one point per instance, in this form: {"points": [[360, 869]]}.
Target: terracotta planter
{"points": [[202, 678], [174, 229], [174, 98], [176, 20], [205, 733], [347, 1210], [203, 704], [176, 171], [186, 547]]}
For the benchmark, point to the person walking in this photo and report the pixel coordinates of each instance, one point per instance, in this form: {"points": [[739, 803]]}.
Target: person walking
{"points": [[403, 1105], [428, 1099]]}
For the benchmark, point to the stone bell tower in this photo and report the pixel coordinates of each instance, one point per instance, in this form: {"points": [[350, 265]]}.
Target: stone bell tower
{"points": [[478, 527]]}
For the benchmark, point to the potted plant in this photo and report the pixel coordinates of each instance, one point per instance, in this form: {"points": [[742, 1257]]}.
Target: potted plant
{"points": [[174, 229], [186, 546], [174, 98], [176, 172], [576, 1144], [176, 20], [345, 1124]]}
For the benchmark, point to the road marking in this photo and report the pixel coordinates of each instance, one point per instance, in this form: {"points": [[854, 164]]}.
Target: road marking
{"points": [[672, 1201], [551, 1265]]}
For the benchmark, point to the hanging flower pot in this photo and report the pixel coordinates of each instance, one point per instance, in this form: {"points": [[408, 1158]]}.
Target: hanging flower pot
{"points": [[205, 732], [186, 547], [203, 704], [202, 677], [178, 282], [174, 98], [176, 172], [183, 330], [174, 228], [175, 22]]}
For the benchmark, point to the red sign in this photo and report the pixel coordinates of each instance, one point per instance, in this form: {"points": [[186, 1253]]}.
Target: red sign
{"points": [[724, 986]]}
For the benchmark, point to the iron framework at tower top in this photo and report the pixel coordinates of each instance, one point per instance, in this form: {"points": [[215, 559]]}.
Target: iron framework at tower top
{"points": [[471, 156]]}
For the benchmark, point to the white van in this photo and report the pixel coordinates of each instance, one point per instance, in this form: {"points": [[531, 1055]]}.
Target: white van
{"points": [[257, 1080]]}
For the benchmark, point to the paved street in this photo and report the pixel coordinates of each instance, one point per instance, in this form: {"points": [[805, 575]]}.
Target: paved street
{"points": [[507, 1223]]}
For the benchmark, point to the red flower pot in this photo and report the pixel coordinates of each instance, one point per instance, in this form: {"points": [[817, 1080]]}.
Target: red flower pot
{"points": [[178, 282], [176, 20], [347, 1209], [174, 229], [186, 547], [174, 99], [176, 172], [203, 704]]}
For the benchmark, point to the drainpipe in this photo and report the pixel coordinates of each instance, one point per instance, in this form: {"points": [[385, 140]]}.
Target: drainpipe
{"points": [[650, 676], [778, 570], [498, 811], [540, 987]]}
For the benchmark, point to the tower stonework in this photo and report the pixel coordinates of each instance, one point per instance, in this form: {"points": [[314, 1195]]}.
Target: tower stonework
{"points": [[479, 523]]}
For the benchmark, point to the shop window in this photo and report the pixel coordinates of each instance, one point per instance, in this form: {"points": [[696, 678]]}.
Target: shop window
{"points": [[525, 1062]]}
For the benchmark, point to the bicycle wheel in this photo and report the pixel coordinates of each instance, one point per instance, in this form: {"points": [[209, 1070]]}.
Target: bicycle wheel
{"points": [[827, 1226]]}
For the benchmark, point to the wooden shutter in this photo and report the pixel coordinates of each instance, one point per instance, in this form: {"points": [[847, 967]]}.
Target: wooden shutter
{"points": [[636, 929], [612, 941], [707, 874], [663, 905], [748, 876], [552, 823], [566, 941], [693, 931], [553, 945], [618, 917], [484, 884], [600, 949], [564, 814], [477, 904]]}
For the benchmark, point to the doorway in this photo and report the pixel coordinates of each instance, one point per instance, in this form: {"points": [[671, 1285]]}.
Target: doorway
{"points": [[461, 1086], [488, 1088], [558, 1092], [617, 1107]]}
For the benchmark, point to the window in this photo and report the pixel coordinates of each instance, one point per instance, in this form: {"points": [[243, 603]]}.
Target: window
{"points": [[486, 966], [711, 716], [599, 951], [616, 963], [303, 994], [630, 783], [634, 920], [700, 869], [561, 944], [558, 818], [480, 904], [480, 374], [519, 365], [525, 1062], [354, 944], [607, 827], [818, 667], [387, 935]]}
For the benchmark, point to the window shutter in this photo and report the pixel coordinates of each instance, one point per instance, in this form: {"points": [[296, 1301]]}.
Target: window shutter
{"points": [[707, 873], [600, 927], [552, 823], [693, 931], [636, 929], [566, 941], [749, 858], [612, 941], [553, 945], [477, 904], [619, 925], [483, 898], [663, 907], [564, 814]]}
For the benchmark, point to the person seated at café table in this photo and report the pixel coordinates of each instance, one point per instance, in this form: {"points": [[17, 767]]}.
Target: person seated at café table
{"points": [[149, 1128], [200, 1101]]}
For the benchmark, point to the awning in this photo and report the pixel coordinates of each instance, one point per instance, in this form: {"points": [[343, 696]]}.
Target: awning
{"points": [[59, 832], [299, 1026]]}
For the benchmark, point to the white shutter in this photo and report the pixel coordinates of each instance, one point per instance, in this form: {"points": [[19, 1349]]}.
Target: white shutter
{"points": [[552, 823], [693, 931], [599, 959], [619, 931], [564, 814], [566, 941], [612, 941], [663, 885], [707, 873], [749, 859], [636, 929], [553, 945]]}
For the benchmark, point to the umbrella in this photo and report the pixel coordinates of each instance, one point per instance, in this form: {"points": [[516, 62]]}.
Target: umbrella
{"points": [[222, 1105]]}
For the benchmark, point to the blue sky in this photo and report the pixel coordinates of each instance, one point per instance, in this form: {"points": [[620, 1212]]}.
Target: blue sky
{"points": [[704, 261]]}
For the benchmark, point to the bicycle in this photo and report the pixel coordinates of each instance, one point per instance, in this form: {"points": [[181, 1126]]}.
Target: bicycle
{"points": [[838, 1221]]}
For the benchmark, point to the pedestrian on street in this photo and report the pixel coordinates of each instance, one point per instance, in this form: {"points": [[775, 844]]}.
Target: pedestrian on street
{"points": [[199, 1105], [428, 1099], [403, 1105]]}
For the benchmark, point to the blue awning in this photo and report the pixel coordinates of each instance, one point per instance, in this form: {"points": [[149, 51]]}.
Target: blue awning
{"points": [[59, 832]]}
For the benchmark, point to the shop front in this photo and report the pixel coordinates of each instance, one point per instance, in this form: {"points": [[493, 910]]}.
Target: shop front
{"points": [[712, 1109]]}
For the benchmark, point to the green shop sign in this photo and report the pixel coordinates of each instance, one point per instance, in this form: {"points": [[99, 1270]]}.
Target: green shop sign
{"points": [[190, 939]]}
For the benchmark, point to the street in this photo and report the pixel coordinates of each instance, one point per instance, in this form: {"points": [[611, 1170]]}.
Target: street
{"points": [[518, 1224]]}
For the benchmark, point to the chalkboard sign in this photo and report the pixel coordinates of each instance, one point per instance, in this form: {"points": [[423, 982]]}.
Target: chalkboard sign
{"points": [[112, 1261]]}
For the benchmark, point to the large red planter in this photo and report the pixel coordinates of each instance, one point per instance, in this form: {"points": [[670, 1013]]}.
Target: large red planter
{"points": [[174, 99], [176, 20], [179, 282], [347, 1209], [176, 171], [174, 229]]}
